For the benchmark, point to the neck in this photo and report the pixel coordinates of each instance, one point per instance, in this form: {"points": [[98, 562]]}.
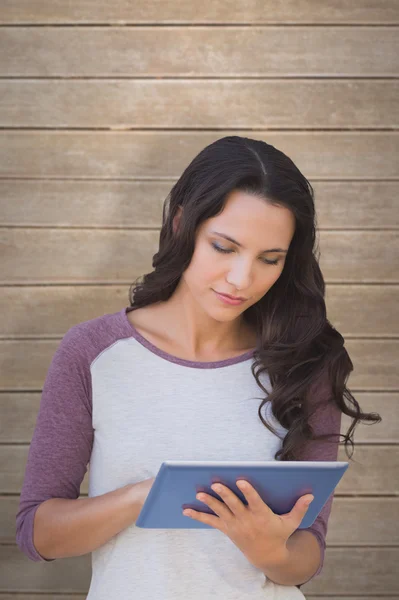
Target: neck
{"points": [[197, 333]]}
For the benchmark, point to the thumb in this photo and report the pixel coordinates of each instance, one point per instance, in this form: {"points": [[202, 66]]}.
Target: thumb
{"points": [[302, 505]]}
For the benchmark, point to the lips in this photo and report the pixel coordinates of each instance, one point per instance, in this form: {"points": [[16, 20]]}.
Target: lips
{"points": [[226, 300], [232, 297]]}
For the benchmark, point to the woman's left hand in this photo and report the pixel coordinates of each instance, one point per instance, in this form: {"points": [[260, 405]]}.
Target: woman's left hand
{"points": [[255, 529]]}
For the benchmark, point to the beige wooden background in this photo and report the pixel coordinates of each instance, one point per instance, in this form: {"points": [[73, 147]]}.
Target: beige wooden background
{"points": [[102, 106]]}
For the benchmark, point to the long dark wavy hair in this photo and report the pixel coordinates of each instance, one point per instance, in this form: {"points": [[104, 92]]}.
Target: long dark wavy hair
{"points": [[296, 344]]}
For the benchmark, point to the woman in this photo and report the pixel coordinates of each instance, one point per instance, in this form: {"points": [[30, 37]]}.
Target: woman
{"points": [[176, 376]]}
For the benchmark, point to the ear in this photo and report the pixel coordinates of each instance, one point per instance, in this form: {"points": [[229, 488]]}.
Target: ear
{"points": [[176, 219]]}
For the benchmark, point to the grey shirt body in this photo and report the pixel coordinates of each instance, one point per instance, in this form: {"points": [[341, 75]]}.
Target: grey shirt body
{"points": [[118, 405]]}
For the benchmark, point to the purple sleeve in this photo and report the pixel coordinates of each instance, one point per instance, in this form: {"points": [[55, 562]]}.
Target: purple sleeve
{"points": [[62, 440], [325, 419]]}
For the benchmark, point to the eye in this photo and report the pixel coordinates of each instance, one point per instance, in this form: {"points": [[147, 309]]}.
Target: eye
{"points": [[271, 262], [227, 251], [220, 249]]}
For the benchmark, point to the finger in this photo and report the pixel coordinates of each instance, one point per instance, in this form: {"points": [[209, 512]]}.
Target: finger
{"points": [[255, 502], [234, 505], [203, 517], [221, 509]]}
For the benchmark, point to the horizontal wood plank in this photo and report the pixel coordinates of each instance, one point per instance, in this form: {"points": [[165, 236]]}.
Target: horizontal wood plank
{"points": [[356, 571], [372, 469], [20, 574], [19, 412], [102, 256], [208, 11], [349, 523], [13, 463], [235, 51], [55, 596], [342, 302], [364, 571], [141, 154], [24, 364], [42, 311], [138, 204], [114, 103]]}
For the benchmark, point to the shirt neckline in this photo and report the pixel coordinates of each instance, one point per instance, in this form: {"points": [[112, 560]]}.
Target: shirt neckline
{"points": [[182, 361]]}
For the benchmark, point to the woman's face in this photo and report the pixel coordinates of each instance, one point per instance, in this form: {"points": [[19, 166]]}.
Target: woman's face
{"points": [[219, 265]]}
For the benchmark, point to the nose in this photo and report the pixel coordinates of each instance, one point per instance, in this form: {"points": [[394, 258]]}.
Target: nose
{"points": [[240, 275]]}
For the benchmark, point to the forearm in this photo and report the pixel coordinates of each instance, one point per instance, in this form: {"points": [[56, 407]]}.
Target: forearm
{"points": [[299, 563], [64, 527]]}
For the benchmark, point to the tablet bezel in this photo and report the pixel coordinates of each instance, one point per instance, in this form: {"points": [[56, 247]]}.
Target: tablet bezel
{"points": [[164, 504]]}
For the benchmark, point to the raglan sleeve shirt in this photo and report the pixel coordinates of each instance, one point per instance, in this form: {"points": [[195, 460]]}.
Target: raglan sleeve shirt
{"points": [[62, 441], [326, 418]]}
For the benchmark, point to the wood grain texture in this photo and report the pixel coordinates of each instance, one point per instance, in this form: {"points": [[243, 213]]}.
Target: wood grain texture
{"points": [[121, 104], [233, 51], [364, 571], [13, 462], [20, 574], [336, 155], [49, 311], [345, 526], [138, 204], [56, 308], [54, 596], [356, 570], [24, 364], [19, 412], [371, 468], [147, 85], [109, 256], [208, 11]]}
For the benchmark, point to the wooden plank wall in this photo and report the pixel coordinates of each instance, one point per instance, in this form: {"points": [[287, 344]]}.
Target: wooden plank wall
{"points": [[102, 106]]}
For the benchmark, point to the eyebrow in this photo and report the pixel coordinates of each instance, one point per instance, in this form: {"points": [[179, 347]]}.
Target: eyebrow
{"points": [[227, 237]]}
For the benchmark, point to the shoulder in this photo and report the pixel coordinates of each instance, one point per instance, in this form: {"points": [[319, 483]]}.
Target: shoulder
{"points": [[85, 340]]}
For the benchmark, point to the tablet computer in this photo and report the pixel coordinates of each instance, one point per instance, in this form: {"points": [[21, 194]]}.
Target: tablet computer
{"points": [[279, 483]]}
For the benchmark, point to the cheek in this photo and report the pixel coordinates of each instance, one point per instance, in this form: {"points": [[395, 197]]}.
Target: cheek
{"points": [[206, 261], [204, 268], [267, 281]]}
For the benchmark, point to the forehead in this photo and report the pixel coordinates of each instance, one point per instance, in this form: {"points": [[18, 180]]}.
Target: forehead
{"points": [[247, 217]]}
